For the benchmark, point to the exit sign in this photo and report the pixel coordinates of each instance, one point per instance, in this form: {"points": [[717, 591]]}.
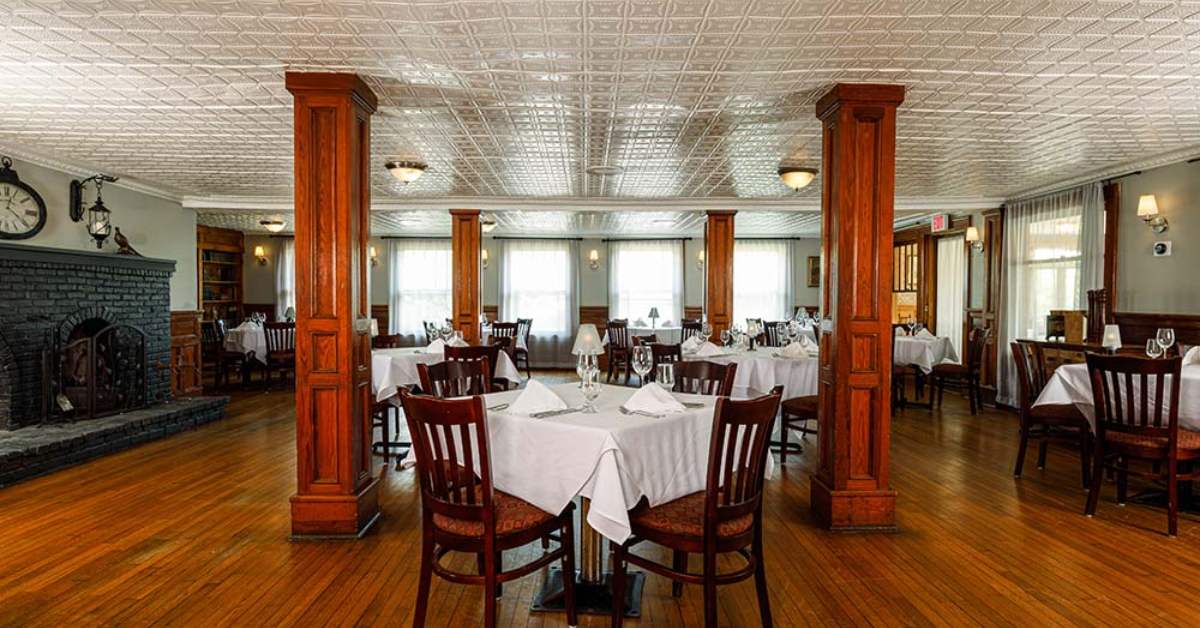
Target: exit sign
{"points": [[939, 222]]}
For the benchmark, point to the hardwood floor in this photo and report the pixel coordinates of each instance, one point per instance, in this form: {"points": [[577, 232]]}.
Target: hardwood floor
{"points": [[194, 530]]}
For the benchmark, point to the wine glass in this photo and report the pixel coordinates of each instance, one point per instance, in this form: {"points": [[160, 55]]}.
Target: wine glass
{"points": [[445, 333], [590, 386], [1165, 338], [457, 335], [666, 375], [643, 360], [705, 331], [726, 336], [1153, 349]]}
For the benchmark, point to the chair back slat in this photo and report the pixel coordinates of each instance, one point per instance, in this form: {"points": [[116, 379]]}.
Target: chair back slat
{"points": [[468, 354], [1121, 390], [691, 327], [281, 337], [450, 438], [523, 327], [455, 378], [504, 330], [662, 353], [737, 457], [701, 377], [618, 333], [776, 332], [431, 331], [1029, 386]]}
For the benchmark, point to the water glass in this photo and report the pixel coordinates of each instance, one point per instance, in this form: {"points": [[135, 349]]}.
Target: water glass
{"points": [[1153, 349], [705, 331], [643, 360], [665, 375], [590, 386], [726, 336], [1165, 338]]}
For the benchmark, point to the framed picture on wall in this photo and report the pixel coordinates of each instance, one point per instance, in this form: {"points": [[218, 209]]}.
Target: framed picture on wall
{"points": [[814, 272]]}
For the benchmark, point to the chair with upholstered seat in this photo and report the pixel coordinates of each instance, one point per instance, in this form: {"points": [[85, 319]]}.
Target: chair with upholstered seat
{"points": [[690, 327], [490, 352], [663, 353], [700, 377], [505, 335], [795, 415], [1046, 422], [462, 512], [521, 350], [1137, 420], [221, 360], [724, 518], [964, 376], [455, 378], [281, 349], [618, 350]]}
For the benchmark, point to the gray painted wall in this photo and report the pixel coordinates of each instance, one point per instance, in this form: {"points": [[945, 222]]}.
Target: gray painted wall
{"points": [[1168, 285]]}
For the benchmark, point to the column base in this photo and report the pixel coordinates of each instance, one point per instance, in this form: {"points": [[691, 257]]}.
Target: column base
{"points": [[852, 511], [316, 517]]}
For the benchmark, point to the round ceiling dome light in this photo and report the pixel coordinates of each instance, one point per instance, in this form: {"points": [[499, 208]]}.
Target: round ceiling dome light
{"points": [[274, 225], [406, 171], [605, 170], [797, 178]]}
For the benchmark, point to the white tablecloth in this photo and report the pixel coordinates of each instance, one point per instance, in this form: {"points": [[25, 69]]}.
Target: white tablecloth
{"points": [[610, 458], [924, 353], [665, 335], [392, 369], [1070, 384], [759, 371], [245, 338]]}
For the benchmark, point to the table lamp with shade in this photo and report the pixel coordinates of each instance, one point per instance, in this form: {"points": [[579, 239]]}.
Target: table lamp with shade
{"points": [[587, 346], [1112, 338], [653, 316], [289, 314]]}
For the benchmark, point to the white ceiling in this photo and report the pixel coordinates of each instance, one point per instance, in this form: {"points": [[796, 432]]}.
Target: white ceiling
{"points": [[696, 99]]}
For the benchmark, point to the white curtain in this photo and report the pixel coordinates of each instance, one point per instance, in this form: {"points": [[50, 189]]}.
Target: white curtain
{"points": [[762, 280], [418, 286], [539, 280], [285, 277], [644, 274], [951, 270], [1053, 254]]}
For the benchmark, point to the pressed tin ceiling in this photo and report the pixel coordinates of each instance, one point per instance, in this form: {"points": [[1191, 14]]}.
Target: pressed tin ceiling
{"points": [[693, 99]]}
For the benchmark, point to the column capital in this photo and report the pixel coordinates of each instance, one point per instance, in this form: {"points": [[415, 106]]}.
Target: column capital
{"points": [[859, 93], [332, 82]]}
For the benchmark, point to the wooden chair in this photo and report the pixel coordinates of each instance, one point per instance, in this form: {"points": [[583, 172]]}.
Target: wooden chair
{"points": [[618, 350], [1130, 426], [462, 512], [964, 376], [521, 352], [387, 341], [775, 333], [795, 415], [662, 353], [281, 349], [431, 331], [700, 377], [220, 360], [644, 339], [504, 335], [726, 517], [691, 327], [452, 378], [489, 352], [1046, 422]]}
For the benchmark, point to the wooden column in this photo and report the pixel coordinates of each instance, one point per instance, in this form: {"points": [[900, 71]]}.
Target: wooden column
{"points": [[464, 251], [718, 268], [336, 494], [850, 489]]}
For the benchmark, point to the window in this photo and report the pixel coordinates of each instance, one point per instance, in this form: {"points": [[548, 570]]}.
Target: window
{"points": [[645, 274], [762, 280], [538, 282], [285, 278], [420, 280]]}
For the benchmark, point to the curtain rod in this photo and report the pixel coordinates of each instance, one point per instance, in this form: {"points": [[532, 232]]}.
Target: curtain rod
{"points": [[793, 238], [285, 236], [413, 238], [645, 239], [534, 238]]}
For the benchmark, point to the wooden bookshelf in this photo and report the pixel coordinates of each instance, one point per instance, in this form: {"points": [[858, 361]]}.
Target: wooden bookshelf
{"points": [[219, 258]]}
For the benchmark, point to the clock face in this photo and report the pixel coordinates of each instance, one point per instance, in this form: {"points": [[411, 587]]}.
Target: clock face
{"points": [[22, 212]]}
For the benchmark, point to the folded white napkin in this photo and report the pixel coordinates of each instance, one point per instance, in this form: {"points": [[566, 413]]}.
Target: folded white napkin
{"points": [[924, 333], [1192, 356], [639, 323], [458, 342], [708, 349], [809, 344], [666, 323], [437, 346], [794, 351], [899, 331], [653, 399], [536, 397], [691, 344]]}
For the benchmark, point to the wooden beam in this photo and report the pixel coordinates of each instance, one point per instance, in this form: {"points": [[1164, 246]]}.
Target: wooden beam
{"points": [[850, 489], [336, 493], [718, 265], [464, 252], [1112, 225]]}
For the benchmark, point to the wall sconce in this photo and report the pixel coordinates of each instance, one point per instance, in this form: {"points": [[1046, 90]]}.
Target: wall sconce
{"points": [[99, 218], [374, 255], [483, 255], [700, 259], [1148, 212], [594, 259], [973, 238], [260, 254]]}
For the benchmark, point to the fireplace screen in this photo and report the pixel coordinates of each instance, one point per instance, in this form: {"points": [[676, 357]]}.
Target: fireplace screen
{"points": [[99, 369]]}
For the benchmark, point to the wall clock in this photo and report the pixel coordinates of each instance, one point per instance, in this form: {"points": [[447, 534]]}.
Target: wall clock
{"points": [[22, 210]]}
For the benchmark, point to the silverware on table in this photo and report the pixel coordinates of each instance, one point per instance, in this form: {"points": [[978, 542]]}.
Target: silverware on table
{"points": [[549, 413], [625, 410], [692, 404], [498, 407]]}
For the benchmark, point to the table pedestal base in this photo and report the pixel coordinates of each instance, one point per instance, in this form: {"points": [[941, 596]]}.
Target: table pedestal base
{"points": [[590, 598]]}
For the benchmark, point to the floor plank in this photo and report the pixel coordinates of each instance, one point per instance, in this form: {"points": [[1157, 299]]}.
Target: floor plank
{"points": [[193, 530]]}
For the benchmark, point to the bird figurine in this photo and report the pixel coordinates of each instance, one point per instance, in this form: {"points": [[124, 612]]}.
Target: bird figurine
{"points": [[123, 243]]}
